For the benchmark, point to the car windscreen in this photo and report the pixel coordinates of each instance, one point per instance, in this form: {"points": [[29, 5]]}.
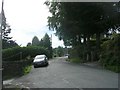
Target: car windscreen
{"points": [[39, 57]]}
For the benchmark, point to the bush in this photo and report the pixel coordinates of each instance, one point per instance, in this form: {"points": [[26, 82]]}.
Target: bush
{"points": [[18, 53], [76, 60], [27, 69], [110, 53]]}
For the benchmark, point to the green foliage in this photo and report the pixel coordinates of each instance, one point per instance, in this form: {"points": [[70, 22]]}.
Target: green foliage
{"points": [[46, 41], [16, 68], [5, 27], [110, 53], [35, 41], [76, 60], [77, 19], [8, 44], [6, 30], [18, 53], [59, 51], [27, 69]]}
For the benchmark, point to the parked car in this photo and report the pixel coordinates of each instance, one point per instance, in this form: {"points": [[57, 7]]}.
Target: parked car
{"points": [[40, 60], [67, 55]]}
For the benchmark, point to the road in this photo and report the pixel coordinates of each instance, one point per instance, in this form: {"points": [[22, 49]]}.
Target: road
{"points": [[63, 74]]}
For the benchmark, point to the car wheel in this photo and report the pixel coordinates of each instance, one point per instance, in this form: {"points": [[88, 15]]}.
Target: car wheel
{"points": [[47, 64], [35, 66]]}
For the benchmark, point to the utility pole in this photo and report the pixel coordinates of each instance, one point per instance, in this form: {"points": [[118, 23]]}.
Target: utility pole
{"points": [[1, 19]]}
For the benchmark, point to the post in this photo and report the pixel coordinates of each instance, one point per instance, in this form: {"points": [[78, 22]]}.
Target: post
{"points": [[1, 81], [0, 59]]}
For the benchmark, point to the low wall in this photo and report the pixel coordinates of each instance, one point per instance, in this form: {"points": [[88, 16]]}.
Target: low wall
{"points": [[14, 68]]}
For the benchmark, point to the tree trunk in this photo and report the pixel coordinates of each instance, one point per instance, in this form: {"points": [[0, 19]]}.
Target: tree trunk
{"points": [[84, 52], [97, 45], [88, 48], [79, 39]]}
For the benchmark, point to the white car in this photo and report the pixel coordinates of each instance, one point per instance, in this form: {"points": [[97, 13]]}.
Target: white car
{"points": [[40, 60]]}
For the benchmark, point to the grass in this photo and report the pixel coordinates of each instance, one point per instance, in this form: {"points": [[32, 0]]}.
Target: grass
{"points": [[27, 69], [74, 60], [113, 68]]}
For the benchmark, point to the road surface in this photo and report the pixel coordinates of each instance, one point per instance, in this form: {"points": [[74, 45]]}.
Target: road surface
{"points": [[63, 74]]}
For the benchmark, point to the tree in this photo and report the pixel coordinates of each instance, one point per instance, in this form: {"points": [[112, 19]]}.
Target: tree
{"points": [[6, 30], [60, 51], [8, 44], [5, 27], [35, 41], [46, 41], [76, 21]]}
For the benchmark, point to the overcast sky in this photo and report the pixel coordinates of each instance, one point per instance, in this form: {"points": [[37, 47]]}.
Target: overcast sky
{"points": [[28, 18]]}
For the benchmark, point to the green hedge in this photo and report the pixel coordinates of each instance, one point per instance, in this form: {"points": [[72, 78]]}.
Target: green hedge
{"points": [[110, 53], [18, 53]]}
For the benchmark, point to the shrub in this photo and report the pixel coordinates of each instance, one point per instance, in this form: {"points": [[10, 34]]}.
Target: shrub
{"points": [[110, 53]]}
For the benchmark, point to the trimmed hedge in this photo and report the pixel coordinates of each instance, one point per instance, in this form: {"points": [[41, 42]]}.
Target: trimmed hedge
{"points": [[18, 53]]}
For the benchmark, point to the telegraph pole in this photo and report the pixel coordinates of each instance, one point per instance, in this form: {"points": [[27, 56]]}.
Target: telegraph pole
{"points": [[1, 19]]}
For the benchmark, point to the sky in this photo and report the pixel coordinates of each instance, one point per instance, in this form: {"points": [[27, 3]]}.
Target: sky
{"points": [[28, 18]]}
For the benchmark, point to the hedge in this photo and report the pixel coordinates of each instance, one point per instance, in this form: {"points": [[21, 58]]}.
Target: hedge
{"points": [[18, 53]]}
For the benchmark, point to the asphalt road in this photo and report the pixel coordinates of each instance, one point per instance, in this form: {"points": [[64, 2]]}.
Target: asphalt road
{"points": [[63, 74]]}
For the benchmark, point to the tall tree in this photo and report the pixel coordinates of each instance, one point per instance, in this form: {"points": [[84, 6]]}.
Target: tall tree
{"points": [[35, 41], [73, 21], [6, 30], [46, 41], [5, 27]]}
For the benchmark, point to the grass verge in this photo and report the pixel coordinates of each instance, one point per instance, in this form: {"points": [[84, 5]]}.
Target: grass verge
{"points": [[113, 68], [75, 60], [27, 69]]}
